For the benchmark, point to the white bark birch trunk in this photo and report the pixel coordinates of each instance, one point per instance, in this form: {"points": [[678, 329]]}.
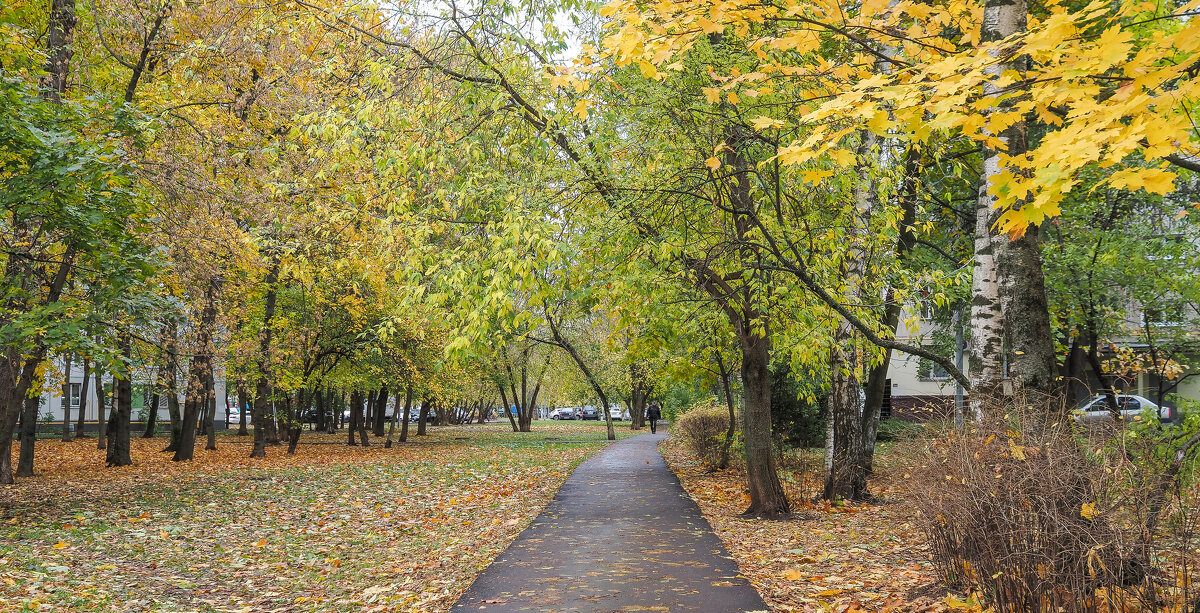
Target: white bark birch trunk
{"points": [[845, 475], [1001, 18]]}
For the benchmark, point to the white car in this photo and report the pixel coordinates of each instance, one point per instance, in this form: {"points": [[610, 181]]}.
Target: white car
{"points": [[563, 413], [1096, 409], [615, 413]]}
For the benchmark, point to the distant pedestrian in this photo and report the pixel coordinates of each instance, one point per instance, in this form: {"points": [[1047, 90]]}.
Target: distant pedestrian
{"points": [[654, 413]]}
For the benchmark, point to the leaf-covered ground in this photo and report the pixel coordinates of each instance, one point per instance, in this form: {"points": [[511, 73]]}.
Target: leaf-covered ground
{"points": [[333, 528], [839, 559]]}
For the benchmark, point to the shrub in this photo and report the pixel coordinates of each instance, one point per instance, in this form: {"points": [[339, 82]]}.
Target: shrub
{"points": [[891, 430], [1034, 513], [702, 431], [797, 408]]}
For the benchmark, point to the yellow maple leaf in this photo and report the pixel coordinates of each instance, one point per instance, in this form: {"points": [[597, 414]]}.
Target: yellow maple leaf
{"points": [[843, 157], [581, 109], [60, 545], [792, 574], [763, 122], [1159, 182], [713, 163], [814, 177]]}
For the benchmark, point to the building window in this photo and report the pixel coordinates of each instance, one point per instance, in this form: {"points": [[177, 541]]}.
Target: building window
{"points": [[75, 395], [931, 371], [1167, 315]]}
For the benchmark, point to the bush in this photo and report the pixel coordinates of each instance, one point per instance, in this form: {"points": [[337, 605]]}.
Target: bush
{"points": [[1034, 513], [891, 430], [702, 431], [797, 409]]}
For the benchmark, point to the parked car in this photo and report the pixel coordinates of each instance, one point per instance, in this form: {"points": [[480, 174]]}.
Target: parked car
{"points": [[233, 415], [563, 413], [1096, 410], [589, 413], [615, 413]]}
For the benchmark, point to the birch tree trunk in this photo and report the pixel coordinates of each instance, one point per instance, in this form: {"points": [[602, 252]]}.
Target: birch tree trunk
{"points": [[846, 475], [1001, 18]]}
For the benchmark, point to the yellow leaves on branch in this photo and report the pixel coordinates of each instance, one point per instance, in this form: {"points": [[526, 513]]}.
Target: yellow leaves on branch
{"points": [[1110, 81]]}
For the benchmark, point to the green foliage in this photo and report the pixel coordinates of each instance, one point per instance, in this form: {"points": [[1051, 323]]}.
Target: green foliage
{"points": [[69, 196], [680, 396], [798, 408]]}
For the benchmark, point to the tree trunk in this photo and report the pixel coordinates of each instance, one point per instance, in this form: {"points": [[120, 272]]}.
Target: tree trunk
{"points": [[1001, 19], [243, 407], [118, 421], [171, 383], [66, 399], [199, 374], [101, 405], [60, 36], [360, 420], [767, 499], [320, 405], [173, 414], [205, 420], [152, 418], [260, 406], [1027, 316], [271, 425], [210, 400], [508, 409], [29, 417], [13, 399], [423, 416], [845, 477], [19, 361], [407, 414], [381, 411], [723, 459], [262, 389], [1018, 263], [638, 396], [333, 401], [396, 414], [295, 429], [84, 388], [561, 341], [878, 375], [352, 427]]}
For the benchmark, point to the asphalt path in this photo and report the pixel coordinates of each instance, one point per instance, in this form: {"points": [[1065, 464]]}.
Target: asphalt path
{"points": [[620, 535]]}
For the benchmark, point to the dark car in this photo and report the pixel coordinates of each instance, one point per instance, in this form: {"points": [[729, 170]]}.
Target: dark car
{"points": [[589, 413]]}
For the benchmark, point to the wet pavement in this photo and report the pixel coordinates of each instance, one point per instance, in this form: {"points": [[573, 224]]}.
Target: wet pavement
{"points": [[620, 535]]}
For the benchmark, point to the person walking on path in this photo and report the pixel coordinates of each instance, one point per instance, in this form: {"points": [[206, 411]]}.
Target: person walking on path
{"points": [[654, 413]]}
